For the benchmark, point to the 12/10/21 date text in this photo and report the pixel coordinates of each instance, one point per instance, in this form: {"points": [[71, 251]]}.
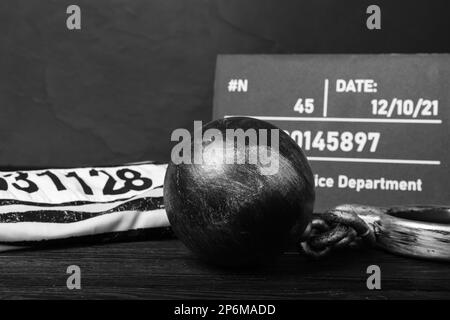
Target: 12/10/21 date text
{"points": [[405, 107]]}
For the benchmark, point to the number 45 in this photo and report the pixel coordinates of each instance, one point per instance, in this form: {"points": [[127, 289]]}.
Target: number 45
{"points": [[304, 105]]}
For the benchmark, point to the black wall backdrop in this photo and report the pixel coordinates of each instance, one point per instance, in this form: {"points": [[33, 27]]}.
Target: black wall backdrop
{"points": [[114, 91]]}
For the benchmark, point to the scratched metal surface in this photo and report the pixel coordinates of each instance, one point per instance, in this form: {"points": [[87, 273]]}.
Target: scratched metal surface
{"points": [[166, 270]]}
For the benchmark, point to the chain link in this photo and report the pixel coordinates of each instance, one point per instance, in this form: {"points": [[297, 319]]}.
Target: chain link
{"points": [[334, 229]]}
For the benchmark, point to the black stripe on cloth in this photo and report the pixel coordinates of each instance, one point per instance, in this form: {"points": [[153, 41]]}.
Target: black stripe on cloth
{"points": [[8, 202], [68, 216], [159, 233]]}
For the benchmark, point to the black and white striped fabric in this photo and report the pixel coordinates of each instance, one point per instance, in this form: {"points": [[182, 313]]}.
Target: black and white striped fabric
{"points": [[41, 207]]}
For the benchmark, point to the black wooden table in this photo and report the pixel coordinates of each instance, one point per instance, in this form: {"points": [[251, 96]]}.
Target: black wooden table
{"points": [[167, 270]]}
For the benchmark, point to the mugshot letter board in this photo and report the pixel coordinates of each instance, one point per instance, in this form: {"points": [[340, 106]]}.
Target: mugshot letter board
{"points": [[375, 128]]}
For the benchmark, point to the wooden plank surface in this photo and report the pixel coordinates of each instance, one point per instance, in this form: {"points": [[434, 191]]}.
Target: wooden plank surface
{"points": [[167, 270]]}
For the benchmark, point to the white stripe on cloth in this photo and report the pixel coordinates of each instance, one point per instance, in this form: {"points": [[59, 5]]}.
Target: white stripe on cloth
{"points": [[113, 222], [47, 193]]}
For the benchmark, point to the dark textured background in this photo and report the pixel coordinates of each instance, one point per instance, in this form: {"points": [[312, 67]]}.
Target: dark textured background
{"points": [[114, 91]]}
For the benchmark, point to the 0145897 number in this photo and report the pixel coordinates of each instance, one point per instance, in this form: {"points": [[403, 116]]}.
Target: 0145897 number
{"points": [[336, 141]]}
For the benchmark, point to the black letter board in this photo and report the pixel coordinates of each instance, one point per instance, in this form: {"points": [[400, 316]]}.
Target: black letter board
{"points": [[375, 128]]}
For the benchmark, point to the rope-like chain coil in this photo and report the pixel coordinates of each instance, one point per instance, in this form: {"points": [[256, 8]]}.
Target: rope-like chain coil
{"points": [[336, 228]]}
